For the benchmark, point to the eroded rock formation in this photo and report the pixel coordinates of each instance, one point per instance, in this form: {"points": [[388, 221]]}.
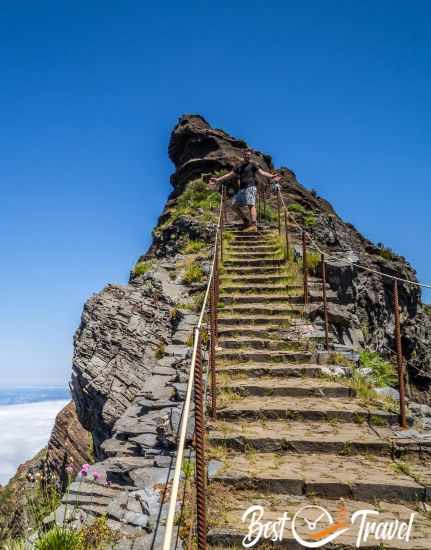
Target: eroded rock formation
{"points": [[132, 348]]}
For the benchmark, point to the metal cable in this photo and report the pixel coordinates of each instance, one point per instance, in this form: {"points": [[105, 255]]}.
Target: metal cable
{"points": [[346, 260], [167, 541]]}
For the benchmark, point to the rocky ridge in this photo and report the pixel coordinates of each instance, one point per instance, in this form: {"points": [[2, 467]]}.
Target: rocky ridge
{"points": [[132, 348]]}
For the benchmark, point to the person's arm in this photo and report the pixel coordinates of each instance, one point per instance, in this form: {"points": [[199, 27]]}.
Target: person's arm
{"points": [[274, 177], [221, 179]]}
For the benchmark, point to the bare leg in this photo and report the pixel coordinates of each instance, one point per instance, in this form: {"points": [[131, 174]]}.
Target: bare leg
{"points": [[253, 215], [237, 209]]}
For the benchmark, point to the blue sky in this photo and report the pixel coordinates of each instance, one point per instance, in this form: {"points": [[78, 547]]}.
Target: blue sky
{"points": [[337, 91]]}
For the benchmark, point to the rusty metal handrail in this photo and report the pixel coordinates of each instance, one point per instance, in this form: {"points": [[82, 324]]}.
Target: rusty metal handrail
{"points": [[397, 334], [194, 367]]}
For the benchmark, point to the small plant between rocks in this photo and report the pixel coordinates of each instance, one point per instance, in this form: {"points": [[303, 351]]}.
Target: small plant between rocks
{"points": [[142, 267], [193, 274]]}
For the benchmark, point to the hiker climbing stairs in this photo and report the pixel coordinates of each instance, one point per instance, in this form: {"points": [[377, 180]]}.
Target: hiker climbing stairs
{"points": [[287, 434]]}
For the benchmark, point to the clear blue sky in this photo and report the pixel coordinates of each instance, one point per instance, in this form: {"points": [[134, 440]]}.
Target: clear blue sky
{"points": [[338, 91]]}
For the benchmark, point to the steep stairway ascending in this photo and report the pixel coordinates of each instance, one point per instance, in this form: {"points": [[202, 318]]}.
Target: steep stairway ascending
{"points": [[286, 435]]}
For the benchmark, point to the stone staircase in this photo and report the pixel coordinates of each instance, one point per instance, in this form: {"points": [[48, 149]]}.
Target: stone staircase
{"points": [[289, 436]]}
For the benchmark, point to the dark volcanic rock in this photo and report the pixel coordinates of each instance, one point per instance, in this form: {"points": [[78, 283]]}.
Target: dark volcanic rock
{"points": [[196, 149], [115, 351], [69, 443], [368, 295]]}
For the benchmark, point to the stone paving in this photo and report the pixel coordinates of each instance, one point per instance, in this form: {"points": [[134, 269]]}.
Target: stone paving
{"points": [[291, 433]]}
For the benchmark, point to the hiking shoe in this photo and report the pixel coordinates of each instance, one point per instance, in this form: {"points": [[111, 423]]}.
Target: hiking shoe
{"points": [[251, 228]]}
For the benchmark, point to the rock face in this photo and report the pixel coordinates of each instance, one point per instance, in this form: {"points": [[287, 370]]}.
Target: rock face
{"points": [[132, 348], [69, 443], [195, 148], [115, 347], [365, 298]]}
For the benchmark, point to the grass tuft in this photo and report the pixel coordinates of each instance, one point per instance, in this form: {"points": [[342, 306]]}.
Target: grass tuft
{"points": [[193, 274], [142, 267]]}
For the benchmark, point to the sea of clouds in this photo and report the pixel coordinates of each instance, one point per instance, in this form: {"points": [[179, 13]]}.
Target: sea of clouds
{"points": [[24, 430]]}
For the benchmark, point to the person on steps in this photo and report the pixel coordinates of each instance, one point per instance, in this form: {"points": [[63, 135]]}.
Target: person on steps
{"points": [[246, 171]]}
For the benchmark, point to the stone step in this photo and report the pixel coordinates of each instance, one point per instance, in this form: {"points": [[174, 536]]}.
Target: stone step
{"points": [[264, 331], [243, 274], [258, 289], [274, 370], [277, 436], [259, 356], [262, 309], [257, 262], [252, 239], [232, 320], [295, 387], [242, 248], [356, 477], [250, 343], [274, 298], [227, 507], [78, 500], [94, 489], [254, 253], [246, 240], [259, 232], [306, 408], [257, 276]]}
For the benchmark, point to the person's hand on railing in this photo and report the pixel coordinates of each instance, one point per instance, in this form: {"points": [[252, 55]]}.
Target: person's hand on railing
{"points": [[276, 177], [212, 182]]}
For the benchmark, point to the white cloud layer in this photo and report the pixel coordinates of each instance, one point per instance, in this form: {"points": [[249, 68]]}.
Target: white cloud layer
{"points": [[24, 430]]}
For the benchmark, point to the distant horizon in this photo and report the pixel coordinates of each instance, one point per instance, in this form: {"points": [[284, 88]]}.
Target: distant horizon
{"points": [[34, 386]]}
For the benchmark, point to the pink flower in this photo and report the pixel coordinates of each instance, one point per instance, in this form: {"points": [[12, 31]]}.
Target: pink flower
{"points": [[96, 475], [69, 469], [85, 467]]}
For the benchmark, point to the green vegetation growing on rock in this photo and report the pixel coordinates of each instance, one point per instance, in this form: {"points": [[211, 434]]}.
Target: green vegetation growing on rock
{"points": [[14, 545], [193, 247], [58, 538], [142, 267], [269, 213], [383, 372], [313, 261], [96, 536], [193, 274], [198, 200], [386, 252], [308, 216]]}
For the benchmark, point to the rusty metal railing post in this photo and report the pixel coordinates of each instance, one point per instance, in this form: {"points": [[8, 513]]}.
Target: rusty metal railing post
{"points": [[325, 302], [403, 416], [287, 255], [224, 205], [201, 488], [258, 203], [212, 350], [279, 212], [305, 266], [217, 281], [222, 222]]}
